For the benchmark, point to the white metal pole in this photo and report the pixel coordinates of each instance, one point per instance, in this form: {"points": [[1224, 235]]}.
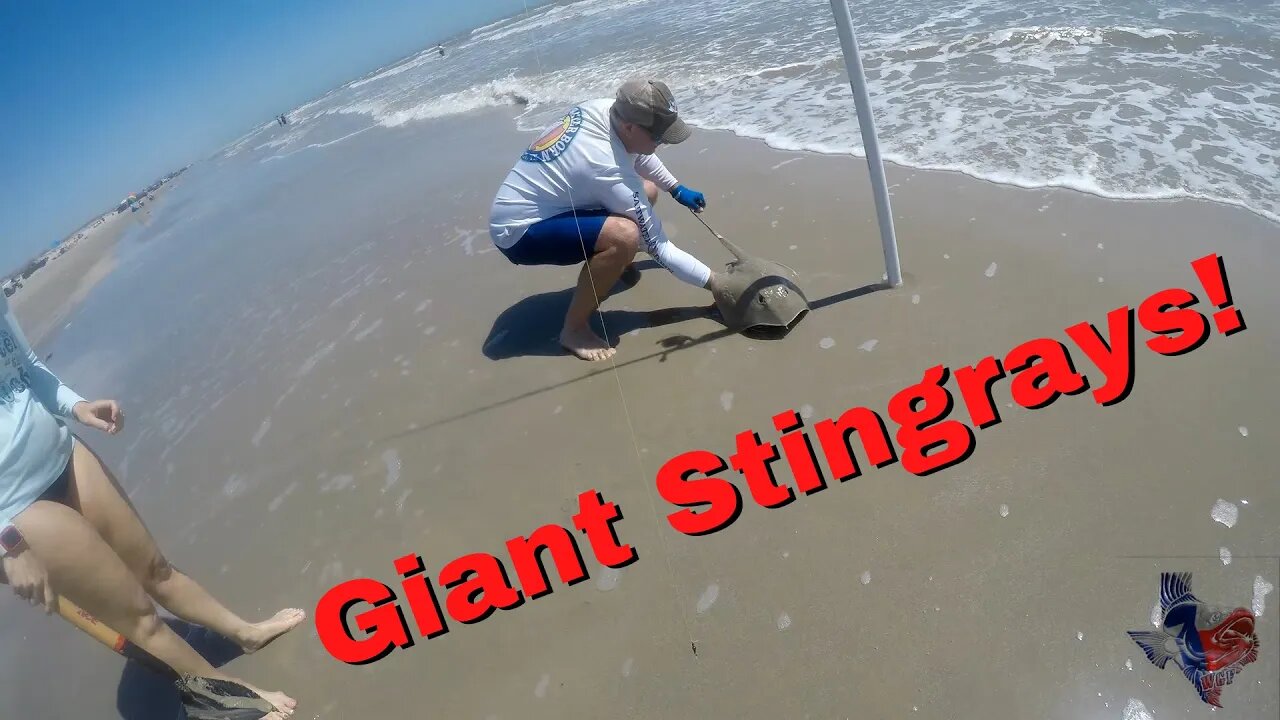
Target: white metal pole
{"points": [[858, 81]]}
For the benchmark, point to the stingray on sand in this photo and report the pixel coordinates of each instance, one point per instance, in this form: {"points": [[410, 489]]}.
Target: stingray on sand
{"points": [[758, 297]]}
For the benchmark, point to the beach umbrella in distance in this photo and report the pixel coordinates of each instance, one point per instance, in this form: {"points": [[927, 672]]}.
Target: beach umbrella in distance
{"points": [[866, 123]]}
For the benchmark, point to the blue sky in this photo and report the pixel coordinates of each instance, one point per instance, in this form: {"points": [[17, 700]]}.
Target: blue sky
{"points": [[104, 98]]}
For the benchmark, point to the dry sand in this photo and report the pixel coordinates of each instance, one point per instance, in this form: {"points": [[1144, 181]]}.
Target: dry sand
{"points": [[404, 394], [51, 295]]}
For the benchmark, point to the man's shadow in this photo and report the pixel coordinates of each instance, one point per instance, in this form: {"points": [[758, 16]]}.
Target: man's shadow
{"points": [[143, 694], [531, 327]]}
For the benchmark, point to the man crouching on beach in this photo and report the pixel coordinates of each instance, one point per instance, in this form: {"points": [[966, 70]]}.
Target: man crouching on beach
{"points": [[586, 189]]}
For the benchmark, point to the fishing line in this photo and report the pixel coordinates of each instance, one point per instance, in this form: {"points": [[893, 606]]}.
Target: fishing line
{"points": [[631, 428]]}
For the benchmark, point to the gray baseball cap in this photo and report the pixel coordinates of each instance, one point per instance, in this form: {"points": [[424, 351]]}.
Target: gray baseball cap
{"points": [[651, 105]]}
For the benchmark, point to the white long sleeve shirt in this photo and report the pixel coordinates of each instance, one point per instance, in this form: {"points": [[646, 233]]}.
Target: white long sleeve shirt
{"points": [[35, 443], [580, 163]]}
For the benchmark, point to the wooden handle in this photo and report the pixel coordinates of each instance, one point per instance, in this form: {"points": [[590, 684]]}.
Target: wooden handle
{"points": [[95, 628], [86, 622], [108, 636], [91, 625]]}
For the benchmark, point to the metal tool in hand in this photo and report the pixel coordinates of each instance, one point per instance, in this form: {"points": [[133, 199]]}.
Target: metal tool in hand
{"points": [[705, 225]]}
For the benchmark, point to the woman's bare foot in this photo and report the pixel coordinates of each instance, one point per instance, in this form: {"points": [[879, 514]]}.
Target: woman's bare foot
{"points": [[259, 635], [224, 691], [283, 704], [586, 344]]}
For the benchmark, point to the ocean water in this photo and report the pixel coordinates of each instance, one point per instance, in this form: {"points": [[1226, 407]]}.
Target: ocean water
{"points": [[1126, 99]]}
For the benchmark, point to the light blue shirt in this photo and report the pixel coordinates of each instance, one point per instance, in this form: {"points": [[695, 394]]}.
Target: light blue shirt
{"points": [[35, 443]]}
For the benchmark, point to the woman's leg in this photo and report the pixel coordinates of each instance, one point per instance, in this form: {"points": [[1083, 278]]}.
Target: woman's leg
{"points": [[96, 494], [84, 569]]}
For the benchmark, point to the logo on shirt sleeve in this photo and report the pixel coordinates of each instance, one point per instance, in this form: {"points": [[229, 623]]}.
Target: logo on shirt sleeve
{"points": [[556, 139], [14, 378]]}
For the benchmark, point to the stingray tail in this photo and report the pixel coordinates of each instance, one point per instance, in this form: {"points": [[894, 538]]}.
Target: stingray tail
{"points": [[737, 251]]}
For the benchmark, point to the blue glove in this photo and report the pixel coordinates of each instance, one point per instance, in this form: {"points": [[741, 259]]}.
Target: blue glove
{"points": [[689, 198]]}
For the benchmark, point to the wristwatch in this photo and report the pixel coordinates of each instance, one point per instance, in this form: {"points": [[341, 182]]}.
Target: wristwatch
{"points": [[10, 539]]}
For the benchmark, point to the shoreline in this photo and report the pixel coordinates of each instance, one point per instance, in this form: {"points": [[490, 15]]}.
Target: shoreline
{"points": [[1171, 196], [53, 294], [379, 381], [1022, 184]]}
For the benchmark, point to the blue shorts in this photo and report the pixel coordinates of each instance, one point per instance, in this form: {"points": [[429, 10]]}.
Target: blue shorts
{"points": [[559, 240]]}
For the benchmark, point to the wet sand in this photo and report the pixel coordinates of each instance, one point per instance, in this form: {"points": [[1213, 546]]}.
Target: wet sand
{"points": [[327, 367], [51, 295]]}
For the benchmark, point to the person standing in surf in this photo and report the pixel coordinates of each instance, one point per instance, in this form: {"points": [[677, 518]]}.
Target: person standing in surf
{"points": [[584, 192], [67, 528]]}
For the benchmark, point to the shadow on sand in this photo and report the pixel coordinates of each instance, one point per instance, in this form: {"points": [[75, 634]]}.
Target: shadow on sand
{"points": [[531, 327], [145, 695], [510, 339]]}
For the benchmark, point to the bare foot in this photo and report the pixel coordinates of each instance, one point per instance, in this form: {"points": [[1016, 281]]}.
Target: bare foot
{"points": [[261, 634], [586, 344], [228, 693], [283, 704]]}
